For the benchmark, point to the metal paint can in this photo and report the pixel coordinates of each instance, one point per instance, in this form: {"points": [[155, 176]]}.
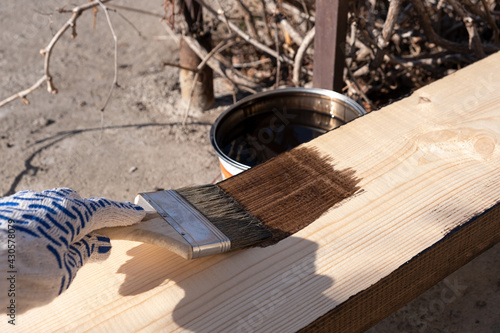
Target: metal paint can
{"points": [[266, 124]]}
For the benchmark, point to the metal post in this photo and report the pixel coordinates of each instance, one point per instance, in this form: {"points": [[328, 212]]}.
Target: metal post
{"points": [[329, 44]]}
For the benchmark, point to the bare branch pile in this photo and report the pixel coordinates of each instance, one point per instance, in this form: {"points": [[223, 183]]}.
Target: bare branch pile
{"points": [[396, 47], [393, 47]]}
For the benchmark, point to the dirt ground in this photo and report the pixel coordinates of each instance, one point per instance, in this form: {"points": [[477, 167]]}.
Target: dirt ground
{"points": [[58, 140]]}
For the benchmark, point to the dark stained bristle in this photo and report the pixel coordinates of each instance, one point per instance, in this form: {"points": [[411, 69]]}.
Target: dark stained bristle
{"points": [[241, 227]]}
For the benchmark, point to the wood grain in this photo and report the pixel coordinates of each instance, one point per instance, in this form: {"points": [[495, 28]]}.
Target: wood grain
{"points": [[429, 169]]}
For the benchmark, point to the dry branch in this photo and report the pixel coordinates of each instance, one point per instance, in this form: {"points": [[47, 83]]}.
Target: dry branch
{"points": [[223, 13], [278, 63], [245, 36], [266, 18], [396, 47], [136, 10], [309, 16], [47, 52], [284, 23], [474, 40], [115, 39], [308, 39], [491, 22], [219, 68], [393, 47], [199, 69], [387, 31], [249, 21], [434, 37]]}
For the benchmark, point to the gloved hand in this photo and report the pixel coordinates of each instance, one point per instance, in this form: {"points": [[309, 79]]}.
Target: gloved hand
{"points": [[45, 237]]}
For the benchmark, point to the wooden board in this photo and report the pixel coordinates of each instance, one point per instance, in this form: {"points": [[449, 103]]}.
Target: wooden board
{"points": [[429, 172]]}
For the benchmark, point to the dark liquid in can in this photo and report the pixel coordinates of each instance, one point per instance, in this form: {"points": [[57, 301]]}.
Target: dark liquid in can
{"points": [[263, 136]]}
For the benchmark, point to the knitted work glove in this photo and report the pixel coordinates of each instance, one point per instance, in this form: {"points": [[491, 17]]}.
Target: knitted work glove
{"points": [[45, 237]]}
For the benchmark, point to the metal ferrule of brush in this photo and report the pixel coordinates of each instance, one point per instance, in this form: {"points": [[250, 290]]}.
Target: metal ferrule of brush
{"points": [[202, 236]]}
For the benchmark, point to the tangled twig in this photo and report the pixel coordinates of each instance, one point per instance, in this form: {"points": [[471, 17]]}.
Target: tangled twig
{"points": [[249, 21], [47, 52], [393, 46], [198, 70], [299, 56], [434, 37], [398, 46], [387, 31], [226, 72], [115, 39], [244, 35]]}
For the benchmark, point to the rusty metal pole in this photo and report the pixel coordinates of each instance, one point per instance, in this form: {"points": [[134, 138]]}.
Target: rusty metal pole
{"points": [[329, 44], [203, 95]]}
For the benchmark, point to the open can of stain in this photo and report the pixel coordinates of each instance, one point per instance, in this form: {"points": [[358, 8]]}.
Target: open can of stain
{"points": [[267, 124]]}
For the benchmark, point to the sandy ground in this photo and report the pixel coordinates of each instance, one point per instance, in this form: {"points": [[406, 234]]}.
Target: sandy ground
{"points": [[57, 140]]}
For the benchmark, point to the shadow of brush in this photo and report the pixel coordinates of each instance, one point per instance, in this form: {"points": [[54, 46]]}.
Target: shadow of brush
{"points": [[247, 290]]}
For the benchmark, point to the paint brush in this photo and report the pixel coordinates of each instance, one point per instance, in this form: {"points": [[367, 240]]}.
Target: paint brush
{"points": [[260, 206]]}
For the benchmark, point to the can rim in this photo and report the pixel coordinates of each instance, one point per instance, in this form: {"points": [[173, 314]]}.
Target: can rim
{"points": [[311, 91]]}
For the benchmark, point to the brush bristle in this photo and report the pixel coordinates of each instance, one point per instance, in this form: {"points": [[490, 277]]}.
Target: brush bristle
{"points": [[241, 227]]}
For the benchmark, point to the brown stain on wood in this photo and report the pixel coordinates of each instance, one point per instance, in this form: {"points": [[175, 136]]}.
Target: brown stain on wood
{"points": [[292, 190]]}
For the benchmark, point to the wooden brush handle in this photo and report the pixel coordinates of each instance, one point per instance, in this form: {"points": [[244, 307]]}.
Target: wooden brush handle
{"points": [[153, 229]]}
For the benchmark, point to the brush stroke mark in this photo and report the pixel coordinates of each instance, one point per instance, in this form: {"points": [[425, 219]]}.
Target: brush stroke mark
{"points": [[291, 191]]}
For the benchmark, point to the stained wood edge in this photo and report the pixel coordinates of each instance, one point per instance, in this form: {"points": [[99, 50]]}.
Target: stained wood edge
{"points": [[458, 247]]}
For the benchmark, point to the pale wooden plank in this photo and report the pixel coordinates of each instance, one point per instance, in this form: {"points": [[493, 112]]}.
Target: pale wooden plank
{"points": [[414, 277], [426, 165]]}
